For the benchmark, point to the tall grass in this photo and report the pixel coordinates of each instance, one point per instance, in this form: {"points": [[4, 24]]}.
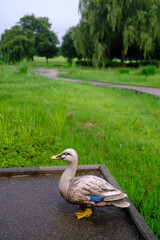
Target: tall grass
{"points": [[23, 68], [40, 117]]}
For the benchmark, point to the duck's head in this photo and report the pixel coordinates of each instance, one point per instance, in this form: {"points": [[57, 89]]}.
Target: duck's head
{"points": [[68, 155]]}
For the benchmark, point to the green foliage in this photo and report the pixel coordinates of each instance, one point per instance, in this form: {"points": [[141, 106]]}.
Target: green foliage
{"points": [[45, 39], [32, 36], [149, 62], [10, 34], [15, 46], [117, 27], [83, 40], [34, 24], [47, 45], [149, 70], [17, 49], [67, 48], [87, 62]]}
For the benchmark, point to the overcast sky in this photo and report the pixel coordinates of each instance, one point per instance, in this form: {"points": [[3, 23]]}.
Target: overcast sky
{"points": [[63, 14]]}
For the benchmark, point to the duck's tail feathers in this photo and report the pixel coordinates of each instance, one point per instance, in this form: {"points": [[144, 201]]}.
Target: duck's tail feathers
{"points": [[121, 203]]}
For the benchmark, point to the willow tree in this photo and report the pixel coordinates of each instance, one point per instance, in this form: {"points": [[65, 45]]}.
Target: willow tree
{"points": [[14, 46], [133, 22], [94, 14], [17, 49], [82, 40]]}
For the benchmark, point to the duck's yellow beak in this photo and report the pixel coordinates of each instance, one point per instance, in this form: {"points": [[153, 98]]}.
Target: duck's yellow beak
{"points": [[56, 156]]}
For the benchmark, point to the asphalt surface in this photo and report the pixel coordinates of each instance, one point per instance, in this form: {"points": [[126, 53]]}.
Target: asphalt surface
{"points": [[53, 73], [32, 208]]}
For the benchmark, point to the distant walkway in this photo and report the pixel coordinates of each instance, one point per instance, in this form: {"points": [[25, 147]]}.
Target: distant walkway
{"points": [[53, 73]]}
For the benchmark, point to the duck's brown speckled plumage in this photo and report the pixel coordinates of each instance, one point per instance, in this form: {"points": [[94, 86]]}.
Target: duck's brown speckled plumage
{"points": [[77, 190], [81, 187]]}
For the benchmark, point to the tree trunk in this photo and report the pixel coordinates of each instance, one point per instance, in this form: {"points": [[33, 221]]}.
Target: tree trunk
{"points": [[47, 61]]}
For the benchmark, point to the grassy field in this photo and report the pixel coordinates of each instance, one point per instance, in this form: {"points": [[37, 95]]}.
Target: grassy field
{"points": [[57, 62], [144, 76], [40, 117]]}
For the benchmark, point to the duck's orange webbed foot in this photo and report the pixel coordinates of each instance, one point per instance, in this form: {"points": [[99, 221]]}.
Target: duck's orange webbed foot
{"points": [[84, 214]]}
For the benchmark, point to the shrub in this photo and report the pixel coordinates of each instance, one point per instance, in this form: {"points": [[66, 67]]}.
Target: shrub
{"points": [[149, 62], [148, 70]]}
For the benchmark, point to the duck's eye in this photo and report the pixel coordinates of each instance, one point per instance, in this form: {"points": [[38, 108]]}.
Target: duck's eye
{"points": [[65, 154]]}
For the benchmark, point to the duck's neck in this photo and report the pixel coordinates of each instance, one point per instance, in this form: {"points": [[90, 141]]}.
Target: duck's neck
{"points": [[66, 177]]}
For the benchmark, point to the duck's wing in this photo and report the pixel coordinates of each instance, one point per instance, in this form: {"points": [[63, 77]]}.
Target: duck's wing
{"points": [[94, 190]]}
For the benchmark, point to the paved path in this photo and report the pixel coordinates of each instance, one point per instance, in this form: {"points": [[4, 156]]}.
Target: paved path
{"points": [[53, 73]]}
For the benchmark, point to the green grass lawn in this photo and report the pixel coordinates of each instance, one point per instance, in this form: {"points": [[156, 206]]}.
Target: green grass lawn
{"points": [[57, 62], [115, 75], [40, 117]]}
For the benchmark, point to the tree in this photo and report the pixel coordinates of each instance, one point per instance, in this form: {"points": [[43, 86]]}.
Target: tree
{"points": [[94, 14], [82, 40], [14, 46], [10, 34], [30, 36], [67, 48], [132, 22], [36, 25], [46, 40], [47, 45]]}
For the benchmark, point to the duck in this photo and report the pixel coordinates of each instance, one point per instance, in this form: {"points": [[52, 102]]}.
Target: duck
{"points": [[87, 191]]}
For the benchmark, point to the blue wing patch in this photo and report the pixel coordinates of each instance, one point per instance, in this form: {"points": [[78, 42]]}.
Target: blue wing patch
{"points": [[96, 199]]}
